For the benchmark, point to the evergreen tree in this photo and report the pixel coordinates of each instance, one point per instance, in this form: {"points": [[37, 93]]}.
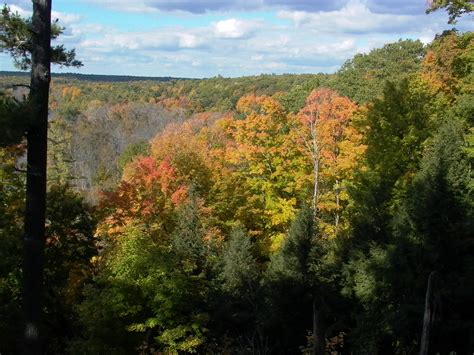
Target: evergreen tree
{"points": [[428, 228], [396, 126], [302, 284], [437, 220], [29, 43]]}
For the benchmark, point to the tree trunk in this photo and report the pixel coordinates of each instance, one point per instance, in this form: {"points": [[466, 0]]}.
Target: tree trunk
{"points": [[338, 203], [34, 238], [319, 336], [430, 315], [313, 148], [315, 186]]}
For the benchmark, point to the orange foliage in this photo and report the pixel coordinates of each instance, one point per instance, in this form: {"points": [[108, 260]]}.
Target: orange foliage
{"points": [[70, 93], [251, 169], [186, 152], [326, 129], [332, 144], [174, 103], [446, 61], [148, 191]]}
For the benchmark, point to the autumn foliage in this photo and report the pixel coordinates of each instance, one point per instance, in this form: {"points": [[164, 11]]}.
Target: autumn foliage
{"points": [[148, 190], [333, 146], [258, 215]]}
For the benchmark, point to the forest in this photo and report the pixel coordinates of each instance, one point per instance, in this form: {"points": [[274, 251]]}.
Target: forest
{"points": [[271, 214]]}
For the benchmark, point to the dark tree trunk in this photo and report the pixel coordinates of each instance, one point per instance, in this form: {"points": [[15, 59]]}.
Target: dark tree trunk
{"points": [[319, 333], [430, 315], [34, 238]]}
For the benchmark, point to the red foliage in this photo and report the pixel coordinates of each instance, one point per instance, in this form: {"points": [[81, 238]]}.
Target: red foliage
{"points": [[147, 191]]}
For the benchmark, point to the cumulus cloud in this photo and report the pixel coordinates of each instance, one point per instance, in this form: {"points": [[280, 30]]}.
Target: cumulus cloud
{"points": [[306, 5], [24, 4], [191, 6], [354, 17], [165, 40], [242, 5], [187, 40], [125, 5], [234, 28], [20, 10], [409, 7], [213, 49], [26, 11], [202, 6], [311, 35], [65, 18]]}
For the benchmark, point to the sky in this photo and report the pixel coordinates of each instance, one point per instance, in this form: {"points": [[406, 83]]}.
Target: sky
{"points": [[206, 38]]}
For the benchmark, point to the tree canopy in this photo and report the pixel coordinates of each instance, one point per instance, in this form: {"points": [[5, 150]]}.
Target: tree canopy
{"points": [[258, 215]]}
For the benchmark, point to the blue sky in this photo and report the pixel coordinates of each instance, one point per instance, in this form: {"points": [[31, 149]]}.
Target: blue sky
{"points": [[205, 38]]}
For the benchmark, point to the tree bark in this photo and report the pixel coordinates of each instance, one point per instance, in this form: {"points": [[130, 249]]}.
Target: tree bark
{"points": [[315, 187], [338, 203], [319, 336], [430, 315], [35, 210], [313, 148]]}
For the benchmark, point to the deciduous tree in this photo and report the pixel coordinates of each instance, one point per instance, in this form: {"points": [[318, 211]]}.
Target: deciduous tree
{"points": [[333, 147]]}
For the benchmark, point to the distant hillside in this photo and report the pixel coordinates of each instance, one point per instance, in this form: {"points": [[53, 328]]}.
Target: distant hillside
{"points": [[94, 77]]}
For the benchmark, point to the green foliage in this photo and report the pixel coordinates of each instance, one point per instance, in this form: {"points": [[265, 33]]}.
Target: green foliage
{"points": [[294, 99], [222, 94], [456, 8], [397, 126], [236, 297], [132, 151], [412, 212], [14, 120], [306, 268], [15, 36], [69, 249], [363, 77], [293, 260], [69, 233], [203, 247], [240, 270], [11, 207], [152, 290], [428, 229]]}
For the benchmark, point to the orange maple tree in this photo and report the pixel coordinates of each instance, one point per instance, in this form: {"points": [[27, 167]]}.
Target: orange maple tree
{"points": [[147, 194], [333, 145]]}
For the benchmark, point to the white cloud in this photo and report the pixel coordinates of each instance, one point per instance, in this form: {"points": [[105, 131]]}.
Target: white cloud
{"points": [[354, 17], [234, 29], [20, 10], [312, 37], [123, 5], [203, 6], [167, 39], [65, 19], [187, 40]]}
